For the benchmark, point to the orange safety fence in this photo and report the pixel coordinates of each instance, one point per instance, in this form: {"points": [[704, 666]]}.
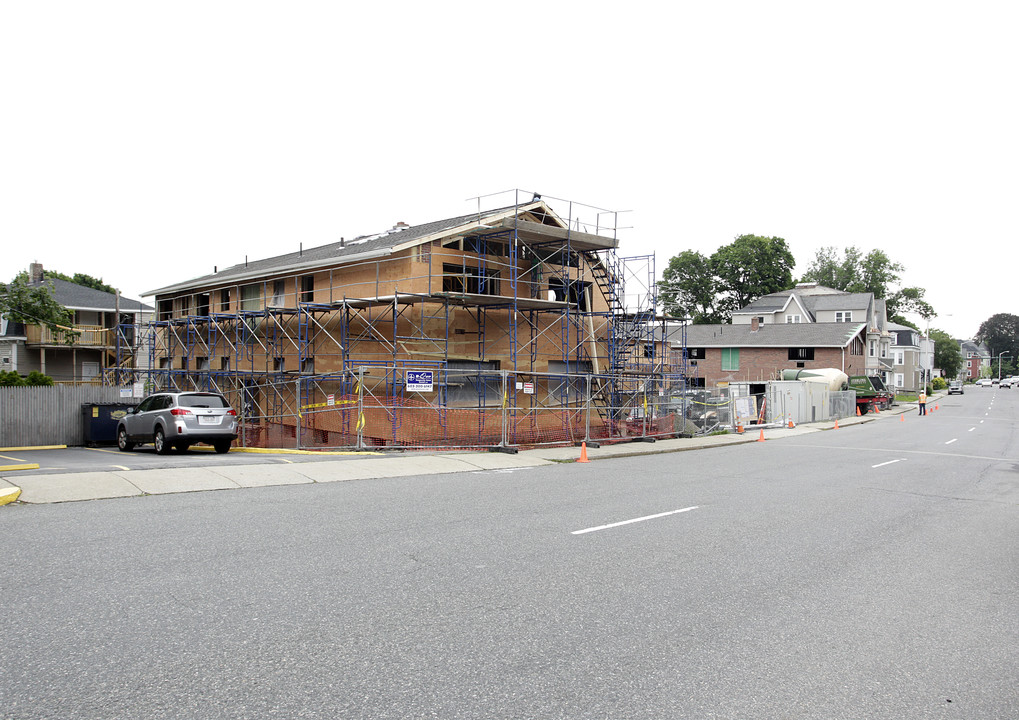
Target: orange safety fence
{"points": [[409, 423]]}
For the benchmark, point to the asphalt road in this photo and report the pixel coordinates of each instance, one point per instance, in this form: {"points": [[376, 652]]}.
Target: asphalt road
{"points": [[868, 572]]}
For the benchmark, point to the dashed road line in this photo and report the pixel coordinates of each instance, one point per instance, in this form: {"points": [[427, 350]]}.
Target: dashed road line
{"points": [[890, 462], [634, 520]]}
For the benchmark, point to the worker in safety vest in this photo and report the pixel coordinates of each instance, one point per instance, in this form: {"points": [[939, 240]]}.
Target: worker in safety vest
{"points": [[923, 402]]}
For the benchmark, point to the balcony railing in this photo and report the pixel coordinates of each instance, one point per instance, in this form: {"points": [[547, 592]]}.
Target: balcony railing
{"points": [[88, 336]]}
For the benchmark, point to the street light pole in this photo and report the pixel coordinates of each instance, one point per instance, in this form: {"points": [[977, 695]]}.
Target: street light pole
{"points": [[1000, 356]]}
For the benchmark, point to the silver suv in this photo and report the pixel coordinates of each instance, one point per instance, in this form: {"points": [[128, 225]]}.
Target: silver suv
{"points": [[179, 420]]}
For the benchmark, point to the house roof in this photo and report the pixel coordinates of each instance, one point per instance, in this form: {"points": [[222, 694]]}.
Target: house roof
{"points": [[777, 335], [844, 301], [974, 347], [813, 298], [545, 226], [79, 297]]}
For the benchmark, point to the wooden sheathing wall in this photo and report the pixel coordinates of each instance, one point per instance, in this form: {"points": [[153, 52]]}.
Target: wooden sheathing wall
{"points": [[424, 333]]}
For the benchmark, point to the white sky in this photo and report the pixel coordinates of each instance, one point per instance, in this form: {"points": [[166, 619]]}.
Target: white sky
{"points": [[145, 143]]}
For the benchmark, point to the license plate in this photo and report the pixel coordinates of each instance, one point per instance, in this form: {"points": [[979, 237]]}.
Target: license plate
{"points": [[208, 420]]}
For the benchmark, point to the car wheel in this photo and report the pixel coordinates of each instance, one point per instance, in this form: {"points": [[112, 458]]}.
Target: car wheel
{"points": [[162, 446], [123, 444], [222, 446]]}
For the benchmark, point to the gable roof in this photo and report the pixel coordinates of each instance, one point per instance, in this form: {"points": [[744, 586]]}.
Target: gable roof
{"points": [[368, 247], [812, 298], [842, 301], [974, 347], [836, 335], [79, 297]]}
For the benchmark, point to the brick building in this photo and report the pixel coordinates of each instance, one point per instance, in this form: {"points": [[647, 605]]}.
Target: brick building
{"points": [[760, 352]]}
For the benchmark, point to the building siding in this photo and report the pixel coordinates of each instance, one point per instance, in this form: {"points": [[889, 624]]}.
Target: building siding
{"points": [[762, 364]]}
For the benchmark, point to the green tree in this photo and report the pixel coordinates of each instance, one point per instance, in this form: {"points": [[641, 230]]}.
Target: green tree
{"points": [[688, 288], [947, 355], [1000, 333], [35, 305], [908, 300], [749, 267], [875, 273], [83, 280], [878, 273], [839, 273]]}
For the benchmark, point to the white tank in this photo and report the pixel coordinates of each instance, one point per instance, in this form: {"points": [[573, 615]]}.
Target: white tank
{"points": [[835, 379]]}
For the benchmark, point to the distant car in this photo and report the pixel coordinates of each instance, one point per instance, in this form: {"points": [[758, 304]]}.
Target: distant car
{"points": [[179, 420], [955, 388], [1006, 383], [985, 382]]}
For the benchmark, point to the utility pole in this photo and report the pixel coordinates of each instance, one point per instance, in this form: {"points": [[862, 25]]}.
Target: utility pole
{"points": [[1000, 356]]}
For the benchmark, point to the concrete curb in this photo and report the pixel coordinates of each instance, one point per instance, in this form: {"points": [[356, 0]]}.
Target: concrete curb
{"points": [[9, 495], [26, 466], [33, 447]]}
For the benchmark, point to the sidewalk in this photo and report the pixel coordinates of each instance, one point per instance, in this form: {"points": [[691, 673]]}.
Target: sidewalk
{"points": [[69, 487]]}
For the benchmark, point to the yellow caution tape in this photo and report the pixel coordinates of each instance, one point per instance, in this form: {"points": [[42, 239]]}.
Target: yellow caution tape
{"points": [[322, 405]]}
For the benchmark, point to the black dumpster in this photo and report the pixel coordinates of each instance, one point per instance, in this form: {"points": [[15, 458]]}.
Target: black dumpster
{"points": [[99, 421]]}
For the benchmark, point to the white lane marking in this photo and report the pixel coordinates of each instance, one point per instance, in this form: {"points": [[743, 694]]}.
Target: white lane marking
{"points": [[971, 430], [635, 520], [120, 467], [890, 462], [951, 441]]}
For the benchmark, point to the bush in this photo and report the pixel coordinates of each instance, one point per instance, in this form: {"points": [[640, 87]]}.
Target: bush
{"points": [[939, 383], [9, 378]]}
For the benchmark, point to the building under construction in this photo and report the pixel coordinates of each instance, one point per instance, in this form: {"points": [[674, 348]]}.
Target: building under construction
{"points": [[511, 325]]}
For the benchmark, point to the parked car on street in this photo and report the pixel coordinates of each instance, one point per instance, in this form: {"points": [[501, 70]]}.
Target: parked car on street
{"points": [[1006, 383], [179, 420], [955, 388], [985, 382]]}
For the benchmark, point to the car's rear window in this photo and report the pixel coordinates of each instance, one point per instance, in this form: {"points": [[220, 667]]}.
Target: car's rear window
{"points": [[202, 400]]}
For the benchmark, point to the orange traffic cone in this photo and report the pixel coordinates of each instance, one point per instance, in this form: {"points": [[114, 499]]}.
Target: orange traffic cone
{"points": [[761, 439], [902, 418], [858, 413], [791, 426], [837, 423], [583, 453], [937, 407]]}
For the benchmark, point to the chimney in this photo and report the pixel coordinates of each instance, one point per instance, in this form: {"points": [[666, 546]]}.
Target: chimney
{"points": [[755, 324], [35, 272]]}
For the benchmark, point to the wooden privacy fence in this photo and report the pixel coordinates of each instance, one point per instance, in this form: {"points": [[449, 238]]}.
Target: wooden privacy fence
{"points": [[49, 415]]}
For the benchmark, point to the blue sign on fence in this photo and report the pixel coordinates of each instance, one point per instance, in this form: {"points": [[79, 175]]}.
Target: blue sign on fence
{"points": [[420, 380]]}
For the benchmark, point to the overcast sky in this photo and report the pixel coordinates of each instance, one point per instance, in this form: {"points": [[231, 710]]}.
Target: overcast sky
{"points": [[146, 143]]}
